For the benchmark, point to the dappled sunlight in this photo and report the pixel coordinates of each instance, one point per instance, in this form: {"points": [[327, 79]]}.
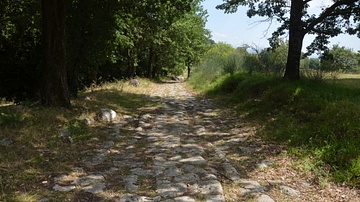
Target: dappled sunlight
{"points": [[168, 136]]}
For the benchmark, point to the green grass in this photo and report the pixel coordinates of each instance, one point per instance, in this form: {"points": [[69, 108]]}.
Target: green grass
{"points": [[318, 120]]}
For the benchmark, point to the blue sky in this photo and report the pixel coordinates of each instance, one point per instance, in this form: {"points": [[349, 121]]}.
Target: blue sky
{"points": [[237, 29]]}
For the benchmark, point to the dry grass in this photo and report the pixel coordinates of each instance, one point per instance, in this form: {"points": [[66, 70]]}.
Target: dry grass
{"points": [[37, 153], [348, 76]]}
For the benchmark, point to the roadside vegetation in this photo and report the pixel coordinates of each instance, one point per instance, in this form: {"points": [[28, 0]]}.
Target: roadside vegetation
{"points": [[316, 117], [32, 150]]}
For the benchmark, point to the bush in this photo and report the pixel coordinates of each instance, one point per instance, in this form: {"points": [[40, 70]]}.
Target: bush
{"points": [[232, 64]]}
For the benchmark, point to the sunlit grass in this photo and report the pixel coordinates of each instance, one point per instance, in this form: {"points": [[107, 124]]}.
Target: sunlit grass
{"points": [[348, 76], [317, 119]]}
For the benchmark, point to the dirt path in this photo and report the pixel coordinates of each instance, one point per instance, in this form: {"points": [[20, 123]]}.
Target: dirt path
{"points": [[185, 150]]}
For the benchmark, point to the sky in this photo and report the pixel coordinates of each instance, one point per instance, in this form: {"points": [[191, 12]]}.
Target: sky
{"points": [[237, 29]]}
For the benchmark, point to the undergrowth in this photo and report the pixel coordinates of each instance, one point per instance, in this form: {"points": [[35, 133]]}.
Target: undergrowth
{"points": [[318, 120]]}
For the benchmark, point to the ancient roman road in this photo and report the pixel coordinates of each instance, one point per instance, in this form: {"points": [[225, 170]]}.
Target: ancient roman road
{"points": [[167, 153]]}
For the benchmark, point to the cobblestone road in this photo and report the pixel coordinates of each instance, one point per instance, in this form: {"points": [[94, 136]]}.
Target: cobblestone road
{"points": [[164, 154]]}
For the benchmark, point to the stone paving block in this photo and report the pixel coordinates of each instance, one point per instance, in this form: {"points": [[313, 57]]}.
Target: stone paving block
{"points": [[231, 172], [175, 158], [130, 182], [142, 172], [94, 188], [193, 149], [184, 199], [264, 198], [137, 198], [172, 171], [215, 198], [169, 200], [187, 178], [194, 160], [171, 190], [254, 186], [210, 177], [88, 180], [57, 187], [94, 160], [163, 180], [193, 169], [127, 163], [212, 187], [289, 191]]}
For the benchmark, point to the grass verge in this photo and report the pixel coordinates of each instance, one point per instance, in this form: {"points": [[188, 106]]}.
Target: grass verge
{"points": [[32, 152], [317, 120]]}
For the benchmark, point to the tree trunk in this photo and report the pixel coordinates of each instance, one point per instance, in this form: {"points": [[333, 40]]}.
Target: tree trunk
{"points": [[72, 78], [130, 73], [188, 70], [54, 89], [296, 36], [72, 69], [156, 69], [150, 63], [188, 65]]}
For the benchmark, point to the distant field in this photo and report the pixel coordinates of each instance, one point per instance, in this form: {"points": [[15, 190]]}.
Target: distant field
{"points": [[349, 76], [351, 80]]}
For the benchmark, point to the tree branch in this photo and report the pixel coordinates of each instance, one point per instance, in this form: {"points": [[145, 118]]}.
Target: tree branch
{"points": [[327, 13]]}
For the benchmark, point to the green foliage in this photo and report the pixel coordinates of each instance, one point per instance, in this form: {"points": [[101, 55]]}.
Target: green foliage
{"points": [[159, 37], [269, 61], [90, 29], [20, 50], [78, 130], [327, 24], [10, 118], [106, 41], [316, 119], [219, 59], [186, 43], [205, 73], [314, 63], [232, 63], [252, 63], [339, 59], [339, 17]]}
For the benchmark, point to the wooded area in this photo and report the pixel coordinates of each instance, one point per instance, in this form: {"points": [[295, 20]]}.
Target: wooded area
{"points": [[103, 41], [235, 131], [49, 52]]}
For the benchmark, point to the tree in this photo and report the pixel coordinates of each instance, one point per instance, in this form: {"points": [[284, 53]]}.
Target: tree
{"points": [[90, 28], [54, 87], [340, 17], [339, 58], [190, 37], [274, 59], [20, 49], [314, 63], [105, 40], [153, 36]]}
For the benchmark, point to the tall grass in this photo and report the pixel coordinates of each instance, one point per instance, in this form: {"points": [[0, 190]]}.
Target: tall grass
{"points": [[318, 120], [206, 73]]}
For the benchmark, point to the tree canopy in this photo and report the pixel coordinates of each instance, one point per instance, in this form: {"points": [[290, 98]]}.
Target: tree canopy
{"points": [[342, 16], [339, 58], [104, 40]]}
